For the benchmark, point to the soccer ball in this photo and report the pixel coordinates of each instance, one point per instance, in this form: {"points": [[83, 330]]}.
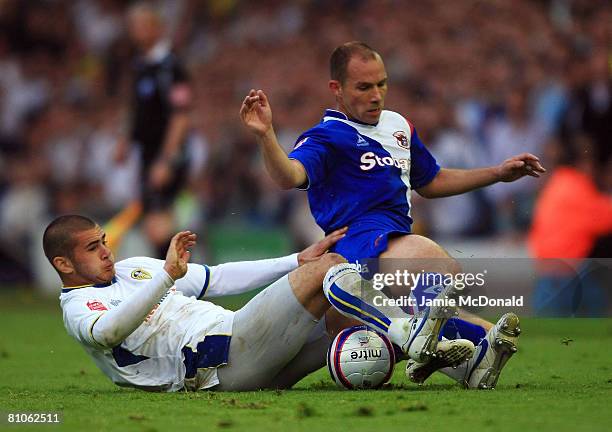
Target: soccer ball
{"points": [[360, 358]]}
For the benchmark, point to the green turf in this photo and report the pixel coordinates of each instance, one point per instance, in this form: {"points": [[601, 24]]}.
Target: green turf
{"points": [[548, 385]]}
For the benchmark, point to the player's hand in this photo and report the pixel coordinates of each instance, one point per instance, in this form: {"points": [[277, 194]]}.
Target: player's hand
{"points": [[178, 254], [160, 175], [256, 113], [316, 251], [519, 166]]}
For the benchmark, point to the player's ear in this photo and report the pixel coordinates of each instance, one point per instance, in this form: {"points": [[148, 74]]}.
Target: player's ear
{"points": [[63, 265], [335, 87]]}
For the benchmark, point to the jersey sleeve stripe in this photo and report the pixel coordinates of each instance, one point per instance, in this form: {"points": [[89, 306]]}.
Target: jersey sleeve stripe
{"points": [[206, 282], [410, 127]]}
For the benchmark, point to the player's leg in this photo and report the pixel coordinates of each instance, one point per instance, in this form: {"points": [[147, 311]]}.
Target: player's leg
{"points": [[416, 247], [422, 254], [313, 354], [416, 254], [310, 357], [416, 336], [270, 330]]}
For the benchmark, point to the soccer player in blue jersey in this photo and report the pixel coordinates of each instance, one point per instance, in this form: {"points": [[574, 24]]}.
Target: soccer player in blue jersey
{"points": [[359, 166]]}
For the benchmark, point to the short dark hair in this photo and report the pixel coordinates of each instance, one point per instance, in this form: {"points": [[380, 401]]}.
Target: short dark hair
{"points": [[341, 56], [58, 239]]}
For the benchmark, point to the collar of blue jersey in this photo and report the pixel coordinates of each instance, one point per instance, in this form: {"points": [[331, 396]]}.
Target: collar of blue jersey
{"points": [[66, 289], [339, 114]]}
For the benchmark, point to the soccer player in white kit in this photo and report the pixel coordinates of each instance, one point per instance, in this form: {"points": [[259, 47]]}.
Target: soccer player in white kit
{"points": [[142, 323]]}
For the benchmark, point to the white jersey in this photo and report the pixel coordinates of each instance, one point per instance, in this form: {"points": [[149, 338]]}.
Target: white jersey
{"points": [[181, 341]]}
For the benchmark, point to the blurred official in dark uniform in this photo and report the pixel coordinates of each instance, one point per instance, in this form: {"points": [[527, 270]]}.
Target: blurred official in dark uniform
{"points": [[159, 122]]}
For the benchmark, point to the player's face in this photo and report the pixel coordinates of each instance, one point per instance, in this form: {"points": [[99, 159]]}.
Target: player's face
{"points": [[144, 30], [92, 260], [362, 95]]}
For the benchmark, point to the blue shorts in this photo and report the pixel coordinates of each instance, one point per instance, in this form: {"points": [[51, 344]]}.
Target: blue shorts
{"points": [[360, 245]]}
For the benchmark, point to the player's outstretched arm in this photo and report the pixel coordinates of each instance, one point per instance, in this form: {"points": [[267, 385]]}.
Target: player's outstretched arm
{"points": [[256, 115], [117, 324], [450, 182], [239, 277]]}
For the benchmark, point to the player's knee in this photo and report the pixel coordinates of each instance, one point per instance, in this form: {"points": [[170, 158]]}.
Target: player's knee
{"points": [[307, 280], [331, 259], [311, 274], [325, 263], [454, 267]]}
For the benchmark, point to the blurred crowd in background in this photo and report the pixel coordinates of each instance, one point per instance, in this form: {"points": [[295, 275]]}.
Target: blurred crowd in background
{"points": [[480, 79]]}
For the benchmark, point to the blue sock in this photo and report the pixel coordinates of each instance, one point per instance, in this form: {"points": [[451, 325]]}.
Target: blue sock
{"points": [[456, 328]]}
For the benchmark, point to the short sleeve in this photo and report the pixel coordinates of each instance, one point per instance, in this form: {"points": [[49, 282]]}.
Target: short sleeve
{"points": [[195, 282], [80, 315], [423, 166], [312, 153]]}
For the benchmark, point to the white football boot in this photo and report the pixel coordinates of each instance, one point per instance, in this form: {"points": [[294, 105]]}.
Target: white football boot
{"points": [[492, 354], [449, 353], [419, 334]]}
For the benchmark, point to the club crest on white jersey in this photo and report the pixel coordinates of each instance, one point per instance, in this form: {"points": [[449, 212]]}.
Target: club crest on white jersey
{"points": [[140, 274]]}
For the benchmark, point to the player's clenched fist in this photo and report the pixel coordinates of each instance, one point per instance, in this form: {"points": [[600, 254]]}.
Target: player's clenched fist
{"points": [[255, 112], [178, 254]]}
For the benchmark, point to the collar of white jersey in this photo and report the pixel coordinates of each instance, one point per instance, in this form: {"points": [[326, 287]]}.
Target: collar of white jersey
{"points": [[66, 289], [340, 115]]}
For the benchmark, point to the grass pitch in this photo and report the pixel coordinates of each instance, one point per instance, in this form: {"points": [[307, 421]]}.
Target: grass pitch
{"points": [[561, 379]]}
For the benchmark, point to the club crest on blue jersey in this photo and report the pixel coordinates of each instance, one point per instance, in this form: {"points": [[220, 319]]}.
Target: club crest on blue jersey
{"points": [[140, 274], [402, 139]]}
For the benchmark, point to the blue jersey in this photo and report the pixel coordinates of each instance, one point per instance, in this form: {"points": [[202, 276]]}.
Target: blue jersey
{"points": [[361, 176]]}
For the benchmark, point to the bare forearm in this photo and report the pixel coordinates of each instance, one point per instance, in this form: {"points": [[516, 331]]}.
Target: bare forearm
{"points": [[177, 130], [285, 172], [256, 115], [450, 182]]}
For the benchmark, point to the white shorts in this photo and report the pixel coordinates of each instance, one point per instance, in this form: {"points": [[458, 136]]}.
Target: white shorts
{"points": [[275, 342]]}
